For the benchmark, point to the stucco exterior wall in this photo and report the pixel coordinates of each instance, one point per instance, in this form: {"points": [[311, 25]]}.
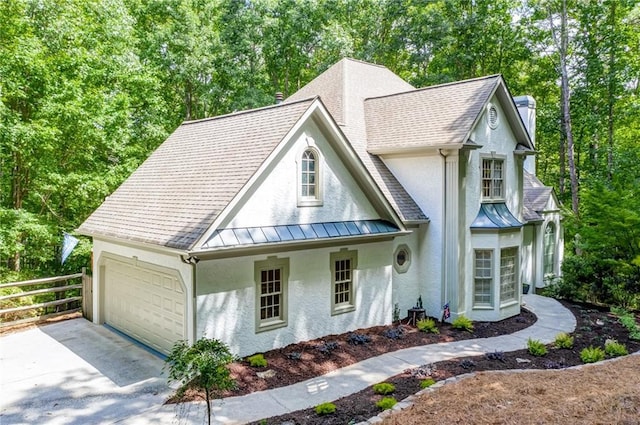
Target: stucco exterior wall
{"points": [[417, 280], [274, 200], [226, 292], [167, 260], [422, 177]]}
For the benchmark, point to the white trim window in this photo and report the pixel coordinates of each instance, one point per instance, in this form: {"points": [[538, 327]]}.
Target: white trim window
{"points": [[508, 274], [309, 178], [343, 267], [549, 249], [483, 278], [272, 277], [492, 179]]}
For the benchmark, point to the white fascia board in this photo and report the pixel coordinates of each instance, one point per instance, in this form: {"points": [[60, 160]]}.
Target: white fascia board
{"points": [[136, 244]]}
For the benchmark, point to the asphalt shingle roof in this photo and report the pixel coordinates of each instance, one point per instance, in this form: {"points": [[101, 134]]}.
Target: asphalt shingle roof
{"points": [[176, 194], [433, 116], [535, 197], [343, 88]]}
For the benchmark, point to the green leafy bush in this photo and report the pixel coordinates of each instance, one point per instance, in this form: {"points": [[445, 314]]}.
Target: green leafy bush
{"points": [[591, 355], [384, 388], [325, 409], [628, 320], [428, 325], [426, 383], [615, 349], [386, 403], [257, 360], [564, 340], [536, 348], [203, 365], [463, 323]]}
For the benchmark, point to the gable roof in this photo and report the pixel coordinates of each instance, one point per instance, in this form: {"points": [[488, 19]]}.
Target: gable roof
{"points": [[343, 88], [163, 201], [535, 197], [437, 116]]}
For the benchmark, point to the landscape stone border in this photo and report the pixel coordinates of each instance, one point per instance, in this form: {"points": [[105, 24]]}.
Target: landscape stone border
{"points": [[409, 401]]}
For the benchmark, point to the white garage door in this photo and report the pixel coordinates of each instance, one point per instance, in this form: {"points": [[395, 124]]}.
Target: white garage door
{"points": [[146, 304]]}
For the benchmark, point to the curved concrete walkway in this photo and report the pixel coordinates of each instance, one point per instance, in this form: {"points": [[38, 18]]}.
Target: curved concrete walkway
{"points": [[75, 372], [553, 318]]}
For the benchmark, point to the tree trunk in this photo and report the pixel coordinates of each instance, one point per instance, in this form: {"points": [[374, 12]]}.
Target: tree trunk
{"points": [[612, 89], [208, 396], [566, 108]]}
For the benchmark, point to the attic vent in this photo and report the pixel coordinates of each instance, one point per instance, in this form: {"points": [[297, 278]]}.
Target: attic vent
{"points": [[492, 116]]}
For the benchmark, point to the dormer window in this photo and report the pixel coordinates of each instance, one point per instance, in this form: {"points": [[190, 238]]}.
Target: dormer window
{"points": [[492, 179], [309, 178]]}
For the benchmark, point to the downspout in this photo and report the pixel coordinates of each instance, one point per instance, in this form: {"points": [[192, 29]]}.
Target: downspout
{"points": [[192, 261], [445, 286]]}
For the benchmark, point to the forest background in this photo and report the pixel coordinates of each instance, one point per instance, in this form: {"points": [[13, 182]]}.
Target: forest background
{"points": [[89, 88]]}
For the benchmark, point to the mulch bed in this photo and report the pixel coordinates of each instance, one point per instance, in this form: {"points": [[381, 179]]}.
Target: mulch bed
{"points": [[594, 326], [299, 362]]}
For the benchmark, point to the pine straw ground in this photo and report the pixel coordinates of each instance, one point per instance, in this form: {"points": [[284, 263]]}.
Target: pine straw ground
{"points": [[607, 393]]}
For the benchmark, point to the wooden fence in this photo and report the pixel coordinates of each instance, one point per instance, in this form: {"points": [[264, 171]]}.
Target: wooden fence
{"points": [[71, 293]]}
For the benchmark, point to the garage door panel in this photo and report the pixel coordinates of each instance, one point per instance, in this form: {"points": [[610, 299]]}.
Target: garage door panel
{"points": [[145, 304]]}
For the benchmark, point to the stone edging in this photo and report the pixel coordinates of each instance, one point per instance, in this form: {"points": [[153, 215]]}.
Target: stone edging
{"points": [[409, 401]]}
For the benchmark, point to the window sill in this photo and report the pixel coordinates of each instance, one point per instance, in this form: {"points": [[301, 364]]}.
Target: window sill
{"points": [[268, 326], [310, 202], [343, 309], [509, 303], [483, 307]]}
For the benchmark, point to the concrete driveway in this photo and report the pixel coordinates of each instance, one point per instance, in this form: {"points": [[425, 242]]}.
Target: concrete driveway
{"points": [[75, 372]]}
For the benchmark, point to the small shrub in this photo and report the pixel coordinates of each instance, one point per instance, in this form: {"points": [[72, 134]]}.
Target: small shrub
{"points": [[463, 323], [428, 325], [615, 349], [386, 403], [355, 338], [467, 364], [327, 348], [393, 333], [257, 360], [294, 355], [563, 340], [536, 348], [496, 355], [628, 320], [325, 409], [384, 388], [426, 383], [591, 355]]}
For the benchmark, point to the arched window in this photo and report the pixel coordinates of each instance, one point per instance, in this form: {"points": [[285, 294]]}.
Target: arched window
{"points": [[308, 183], [549, 249], [309, 178]]}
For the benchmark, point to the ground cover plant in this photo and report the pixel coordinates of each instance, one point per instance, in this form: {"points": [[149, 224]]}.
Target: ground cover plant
{"points": [[595, 325]]}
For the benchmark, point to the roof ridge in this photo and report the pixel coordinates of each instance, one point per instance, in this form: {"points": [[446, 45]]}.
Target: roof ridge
{"points": [[346, 58], [249, 111], [452, 83]]}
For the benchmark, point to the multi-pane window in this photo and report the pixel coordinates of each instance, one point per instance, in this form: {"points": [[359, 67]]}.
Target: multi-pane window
{"points": [[508, 274], [308, 183], [483, 277], [271, 293], [549, 249], [492, 178], [343, 265]]}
